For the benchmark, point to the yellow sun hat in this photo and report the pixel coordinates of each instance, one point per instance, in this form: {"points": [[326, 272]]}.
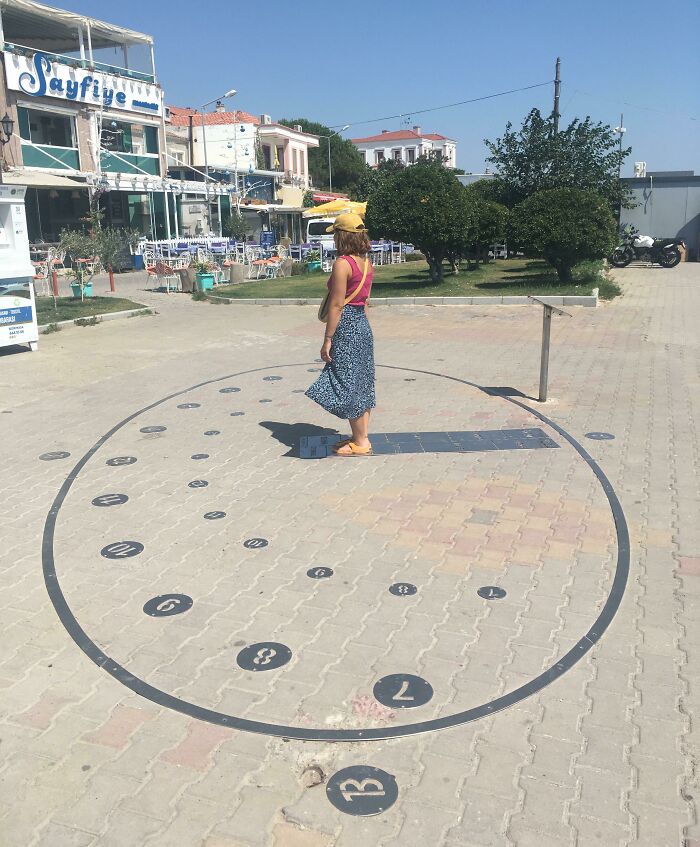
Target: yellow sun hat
{"points": [[348, 222]]}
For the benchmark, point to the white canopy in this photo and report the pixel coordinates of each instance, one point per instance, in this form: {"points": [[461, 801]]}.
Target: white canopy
{"points": [[55, 30]]}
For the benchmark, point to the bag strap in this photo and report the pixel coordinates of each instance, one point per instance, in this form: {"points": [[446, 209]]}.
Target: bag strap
{"points": [[362, 282]]}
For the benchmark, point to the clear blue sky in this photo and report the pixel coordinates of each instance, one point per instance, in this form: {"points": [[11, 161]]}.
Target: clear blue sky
{"points": [[346, 63]]}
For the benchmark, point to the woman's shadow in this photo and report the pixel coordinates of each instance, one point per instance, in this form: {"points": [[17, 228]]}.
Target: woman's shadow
{"points": [[291, 434]]}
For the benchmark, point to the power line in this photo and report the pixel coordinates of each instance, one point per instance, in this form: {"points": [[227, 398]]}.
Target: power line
{"points": [[446, 106]]}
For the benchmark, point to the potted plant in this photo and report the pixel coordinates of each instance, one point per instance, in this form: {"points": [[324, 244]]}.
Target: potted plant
{"points": [[313, 261], [81, 284], [204, 272]]}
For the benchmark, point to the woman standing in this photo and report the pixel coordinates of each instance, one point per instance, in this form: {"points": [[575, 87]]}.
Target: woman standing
{"points": [[345, 387]]}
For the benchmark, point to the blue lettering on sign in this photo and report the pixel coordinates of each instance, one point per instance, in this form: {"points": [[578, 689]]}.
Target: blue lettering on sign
{"points": [[21, 315], [41, 81], [143, 105], [28, 83]]}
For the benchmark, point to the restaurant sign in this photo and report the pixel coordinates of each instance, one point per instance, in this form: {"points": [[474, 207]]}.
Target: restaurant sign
{"points": [[39, 76]]}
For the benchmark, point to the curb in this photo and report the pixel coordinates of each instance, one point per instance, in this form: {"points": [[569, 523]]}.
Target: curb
{"points": [[107, 316], [590, 300]]}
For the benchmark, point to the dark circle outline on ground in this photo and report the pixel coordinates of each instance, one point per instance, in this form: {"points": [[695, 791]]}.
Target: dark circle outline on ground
{"points": [[169, 701]]}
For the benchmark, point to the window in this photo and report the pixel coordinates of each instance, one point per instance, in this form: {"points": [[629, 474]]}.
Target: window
{"points": [[295, 162], [397, 155], [302, 162], [116, 137], [411, 155], [279, 160], [267, 157], [378, 156], [45, 128]]}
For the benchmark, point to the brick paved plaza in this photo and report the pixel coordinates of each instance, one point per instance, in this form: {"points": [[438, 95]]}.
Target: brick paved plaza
{"points": [[222, 614]]}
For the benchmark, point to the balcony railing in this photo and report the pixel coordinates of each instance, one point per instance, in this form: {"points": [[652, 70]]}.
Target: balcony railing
{"points": [[130, 163], [77, 62], [45, 156]]}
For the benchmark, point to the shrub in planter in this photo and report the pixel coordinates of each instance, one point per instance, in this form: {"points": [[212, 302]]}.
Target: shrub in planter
{"points": [[416, 256], [299, 268]]}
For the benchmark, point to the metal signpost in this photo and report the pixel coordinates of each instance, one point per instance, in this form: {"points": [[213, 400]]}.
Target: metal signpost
{"points": [[18, 323], [546, 327]]}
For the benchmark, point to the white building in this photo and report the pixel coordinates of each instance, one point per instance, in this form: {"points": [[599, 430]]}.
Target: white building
{"points": [[265, 163], [405, 146]]}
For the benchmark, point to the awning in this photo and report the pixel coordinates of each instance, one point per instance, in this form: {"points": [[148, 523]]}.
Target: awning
{"points": [[336, 207], [36, 179]]}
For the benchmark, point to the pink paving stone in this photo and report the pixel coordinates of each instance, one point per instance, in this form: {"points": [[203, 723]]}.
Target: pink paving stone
{"points": [[195, 750], [689, 566], [122, 724], [533, 536], [521, 500], [42, 712], [441, 535]]}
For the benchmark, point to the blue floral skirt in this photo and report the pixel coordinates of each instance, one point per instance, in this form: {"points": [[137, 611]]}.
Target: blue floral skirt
{"points": [[345, 387]]}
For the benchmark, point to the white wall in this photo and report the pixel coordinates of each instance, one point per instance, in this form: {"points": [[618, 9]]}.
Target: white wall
{"points": [[241, 153], [422, 147]]}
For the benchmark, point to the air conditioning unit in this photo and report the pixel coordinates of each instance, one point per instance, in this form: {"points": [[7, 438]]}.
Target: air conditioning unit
{"points": [[265, 120], [298, 128], [640, 169]]}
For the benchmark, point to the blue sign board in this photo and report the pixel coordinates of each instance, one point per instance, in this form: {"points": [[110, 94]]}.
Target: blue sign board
{"points": [[267, 239]]}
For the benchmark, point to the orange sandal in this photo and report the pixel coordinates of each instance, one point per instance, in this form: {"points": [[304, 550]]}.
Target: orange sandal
{"points": [[355, 450], [341, 443]]}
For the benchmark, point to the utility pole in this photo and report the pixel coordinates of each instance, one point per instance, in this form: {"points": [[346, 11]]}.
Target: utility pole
{"points": [[557, 92]]}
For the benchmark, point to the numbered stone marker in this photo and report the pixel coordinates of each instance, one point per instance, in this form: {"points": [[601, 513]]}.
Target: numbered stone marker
{"points": [[264, 656], [230, 390], [320, 573], [55, 454], [198, 456], [166, 605], [255, 543], [110, 500], [362, 790], [214, 516], [148, 429], [600, 436], [122, 549], [402, 589], [491, 592], [189, 405], [120, 460], [403, 691], [213, 432], [197, 483], [271, 378], [237, 414]]}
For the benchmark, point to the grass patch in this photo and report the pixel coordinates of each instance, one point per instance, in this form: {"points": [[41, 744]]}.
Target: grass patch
{"points": [[70, 309], [503, 277]]}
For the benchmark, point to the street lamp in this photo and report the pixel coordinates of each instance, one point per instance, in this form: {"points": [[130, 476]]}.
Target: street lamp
{"points": [[8, 126], [330, 173], [230, 93]]}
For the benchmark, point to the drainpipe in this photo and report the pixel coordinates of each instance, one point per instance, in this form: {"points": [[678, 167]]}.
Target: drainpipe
{"points": [[191, 139]]}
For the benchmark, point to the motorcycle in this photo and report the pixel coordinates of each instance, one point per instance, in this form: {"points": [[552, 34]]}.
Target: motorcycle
{"points": [[665, 251]]}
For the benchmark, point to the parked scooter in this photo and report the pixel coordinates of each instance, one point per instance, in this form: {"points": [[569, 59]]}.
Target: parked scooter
{"points": [[665, 251]]}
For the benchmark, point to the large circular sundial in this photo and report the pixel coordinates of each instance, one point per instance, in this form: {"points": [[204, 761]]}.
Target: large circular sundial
{"points": [[209, 555]]}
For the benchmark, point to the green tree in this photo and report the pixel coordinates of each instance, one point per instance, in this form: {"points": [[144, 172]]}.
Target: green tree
{"points": [[491, 224], [372, 177], [565, 226], [584, 155], [424, 205], [346, 161], [308, 199], [235, 226]]}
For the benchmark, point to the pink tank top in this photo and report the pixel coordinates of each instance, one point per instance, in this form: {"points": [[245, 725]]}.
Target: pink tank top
{"points": [[362, 296]]}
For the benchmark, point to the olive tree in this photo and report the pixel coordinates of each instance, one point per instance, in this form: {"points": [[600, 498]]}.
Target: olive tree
{"points": [[565, 226], [424, 205]]}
